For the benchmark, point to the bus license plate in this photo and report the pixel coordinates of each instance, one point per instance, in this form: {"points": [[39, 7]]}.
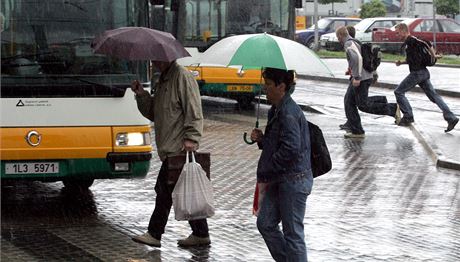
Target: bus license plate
{"points": [[32, 168], [239, 88]]}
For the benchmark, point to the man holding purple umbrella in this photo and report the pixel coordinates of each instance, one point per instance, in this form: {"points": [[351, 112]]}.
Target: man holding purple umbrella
{"points": [[176, 110]]}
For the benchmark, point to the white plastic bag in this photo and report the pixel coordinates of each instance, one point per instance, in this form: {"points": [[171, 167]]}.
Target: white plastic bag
{"points": [[193, 196]]}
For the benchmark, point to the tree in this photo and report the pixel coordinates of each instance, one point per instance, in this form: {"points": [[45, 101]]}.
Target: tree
{"points": [[447, 7], [374, 8], [325, 2]]}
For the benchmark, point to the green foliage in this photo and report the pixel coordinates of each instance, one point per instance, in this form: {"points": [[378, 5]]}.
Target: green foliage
{"points": [[386, 57], [374, 8], [447, 7], [325, 2]]}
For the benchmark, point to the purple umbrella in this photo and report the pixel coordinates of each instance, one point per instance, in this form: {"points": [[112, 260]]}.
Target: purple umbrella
{"points": [[139, 43]]}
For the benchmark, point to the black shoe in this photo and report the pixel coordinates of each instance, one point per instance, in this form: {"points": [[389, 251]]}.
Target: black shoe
{"points": [[344, 127], [451, 125], [406, 121]]}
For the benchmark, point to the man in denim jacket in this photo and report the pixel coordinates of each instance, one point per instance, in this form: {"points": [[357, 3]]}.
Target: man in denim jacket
{"points": [[285, 165]]}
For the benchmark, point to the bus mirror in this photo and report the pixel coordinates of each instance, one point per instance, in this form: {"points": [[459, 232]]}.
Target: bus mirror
{"points": [[175, 5], [157, 2], [298, 3]]}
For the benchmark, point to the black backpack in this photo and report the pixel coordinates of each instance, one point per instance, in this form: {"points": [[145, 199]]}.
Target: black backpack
{"points": [[426, 53], [321, 162], [371, 54]]}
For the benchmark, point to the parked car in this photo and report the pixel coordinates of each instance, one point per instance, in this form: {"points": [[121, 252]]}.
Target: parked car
{"points": [[363, 31], [325, 25], [447, 35]]}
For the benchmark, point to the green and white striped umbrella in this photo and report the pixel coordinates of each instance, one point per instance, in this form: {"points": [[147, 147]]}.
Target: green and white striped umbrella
{"points": [[263, 50]]}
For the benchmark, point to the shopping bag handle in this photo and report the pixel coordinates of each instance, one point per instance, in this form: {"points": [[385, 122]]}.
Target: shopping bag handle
{"points": [[187, 159]]}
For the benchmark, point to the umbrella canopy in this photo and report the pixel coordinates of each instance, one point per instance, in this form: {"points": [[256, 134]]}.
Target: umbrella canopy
{"points": [[264, 50], [139, 43]]}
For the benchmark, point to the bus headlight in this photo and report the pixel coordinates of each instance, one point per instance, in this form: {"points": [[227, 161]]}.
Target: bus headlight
{"points": [[132, 139]]}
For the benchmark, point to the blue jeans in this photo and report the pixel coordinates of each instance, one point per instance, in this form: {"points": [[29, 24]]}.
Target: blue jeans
{"points": [[422, 78], [358, 98], [285, 202]]}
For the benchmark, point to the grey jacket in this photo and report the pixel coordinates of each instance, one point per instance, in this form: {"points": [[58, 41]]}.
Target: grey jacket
{"points": [[175, 109], [355, 60]]}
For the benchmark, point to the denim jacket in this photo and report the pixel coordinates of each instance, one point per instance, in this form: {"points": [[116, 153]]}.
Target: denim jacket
{"points": [[285, 144]]}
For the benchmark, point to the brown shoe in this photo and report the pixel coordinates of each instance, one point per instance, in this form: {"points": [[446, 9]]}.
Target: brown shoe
{"points": [[354, 135], [192, 240], [147, 239]]}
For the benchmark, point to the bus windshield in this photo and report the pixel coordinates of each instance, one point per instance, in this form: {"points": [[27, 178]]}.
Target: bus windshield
{"points": [[46, 52], [214, 20]]}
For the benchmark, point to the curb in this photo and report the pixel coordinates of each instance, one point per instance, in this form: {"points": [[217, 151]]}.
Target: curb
{"points": [[391, 61], [433, 150], [378, 84]]}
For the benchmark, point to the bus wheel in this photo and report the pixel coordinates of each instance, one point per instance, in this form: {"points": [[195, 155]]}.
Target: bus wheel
{"points": [[245, 102], [78, 184]]}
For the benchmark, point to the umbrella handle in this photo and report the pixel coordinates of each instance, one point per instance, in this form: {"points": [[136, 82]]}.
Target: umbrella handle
{"points": [[249, 142]]}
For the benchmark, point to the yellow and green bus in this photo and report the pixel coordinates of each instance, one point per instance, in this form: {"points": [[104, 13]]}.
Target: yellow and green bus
{"points": [[68, 114], [199, 24], [230, 82]]}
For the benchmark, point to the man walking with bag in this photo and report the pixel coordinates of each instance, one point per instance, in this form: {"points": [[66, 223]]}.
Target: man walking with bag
{"points": [[357, 93], [420, 75], [175, 108], [286, 168]]}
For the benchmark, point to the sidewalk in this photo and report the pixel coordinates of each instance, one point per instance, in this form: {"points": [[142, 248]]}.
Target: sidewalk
{"points": [[443, 147], [446, 80]]}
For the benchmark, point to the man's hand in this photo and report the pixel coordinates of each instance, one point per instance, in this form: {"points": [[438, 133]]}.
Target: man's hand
{"points": [[190, 145], [256, 135], [355, 82], [137, 87]]}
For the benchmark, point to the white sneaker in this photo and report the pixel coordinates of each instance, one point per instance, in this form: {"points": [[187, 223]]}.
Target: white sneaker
{"points": [[147, 239], [397, 114]]}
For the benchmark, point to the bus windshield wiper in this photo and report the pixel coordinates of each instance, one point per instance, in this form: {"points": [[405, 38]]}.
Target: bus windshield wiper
{"points": [[82, 80], [47, 52]]}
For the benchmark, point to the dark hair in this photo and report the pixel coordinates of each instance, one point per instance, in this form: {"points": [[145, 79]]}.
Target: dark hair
{"points": [[279, 76], [351, 30]]}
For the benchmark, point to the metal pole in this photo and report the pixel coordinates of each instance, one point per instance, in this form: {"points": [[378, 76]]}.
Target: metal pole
{"points": [[291, 20], [434, 24], [315, 20]]}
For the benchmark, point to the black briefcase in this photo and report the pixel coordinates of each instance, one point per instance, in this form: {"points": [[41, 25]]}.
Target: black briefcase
{"points": [[176, 163]]}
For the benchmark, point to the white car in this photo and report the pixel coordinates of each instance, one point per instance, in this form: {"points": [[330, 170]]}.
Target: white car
{"points": [[363, 31]]}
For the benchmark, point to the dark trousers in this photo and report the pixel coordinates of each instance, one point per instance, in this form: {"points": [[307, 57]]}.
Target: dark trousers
{"points": [[163, 205], [357, 98]]}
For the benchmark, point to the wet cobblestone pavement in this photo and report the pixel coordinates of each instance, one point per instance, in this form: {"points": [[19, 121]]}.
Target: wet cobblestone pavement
{"points": [[384, 200]]}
